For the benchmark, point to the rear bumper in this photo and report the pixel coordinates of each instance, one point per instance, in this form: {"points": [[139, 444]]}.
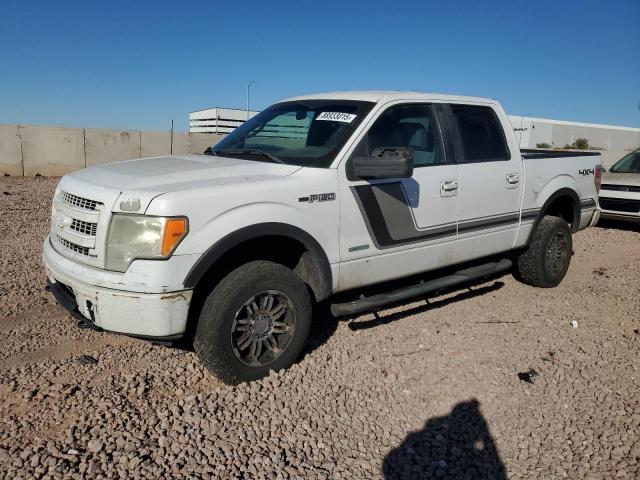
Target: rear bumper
{"points": [[595, 217], [154, 315]]}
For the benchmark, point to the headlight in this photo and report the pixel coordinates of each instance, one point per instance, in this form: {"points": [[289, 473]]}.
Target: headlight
{"points": [[139, 236]]}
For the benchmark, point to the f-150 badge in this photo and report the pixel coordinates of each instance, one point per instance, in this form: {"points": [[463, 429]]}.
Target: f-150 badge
{"points": [[318, 197]]}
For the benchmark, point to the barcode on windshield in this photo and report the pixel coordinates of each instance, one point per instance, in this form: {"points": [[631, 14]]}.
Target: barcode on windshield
{"points": [[336, 117]]}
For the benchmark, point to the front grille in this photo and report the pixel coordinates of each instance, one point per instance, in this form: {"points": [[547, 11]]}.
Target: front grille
{"points": [[79, 202], [620, 188], [73, 247], [84, 227], [620, 204]]}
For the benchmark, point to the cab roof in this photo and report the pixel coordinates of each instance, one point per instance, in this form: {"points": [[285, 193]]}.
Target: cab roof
{"points": [[389, 96]]}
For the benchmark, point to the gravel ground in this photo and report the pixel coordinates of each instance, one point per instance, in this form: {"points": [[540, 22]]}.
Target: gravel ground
{"points": [[428, 390]]}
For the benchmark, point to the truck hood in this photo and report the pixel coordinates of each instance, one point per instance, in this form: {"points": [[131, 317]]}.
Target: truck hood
{"points": [[130, 186], [160, 175], [621, 178]]}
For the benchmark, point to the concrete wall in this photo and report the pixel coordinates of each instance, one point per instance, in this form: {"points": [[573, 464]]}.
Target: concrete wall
{"points": [[51, 151], [200, 141], [10, 150], [106, 146], [154, 144], [54, 151]]}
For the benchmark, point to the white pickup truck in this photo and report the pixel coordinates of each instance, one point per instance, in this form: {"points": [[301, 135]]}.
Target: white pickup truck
{"points": [[402, 193]]}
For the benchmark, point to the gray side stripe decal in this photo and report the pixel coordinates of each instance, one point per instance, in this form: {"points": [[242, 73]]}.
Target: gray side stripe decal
{"points": [[378, 225], [495, 221], [390, 223], [389, 220], [398, 216]]}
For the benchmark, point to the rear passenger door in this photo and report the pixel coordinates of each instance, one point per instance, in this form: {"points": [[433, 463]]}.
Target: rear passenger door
{"points": [[394, 227], [490, 188]]}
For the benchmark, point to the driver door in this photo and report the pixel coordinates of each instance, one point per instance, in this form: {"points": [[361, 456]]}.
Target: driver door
{"points": [[391, 228]]}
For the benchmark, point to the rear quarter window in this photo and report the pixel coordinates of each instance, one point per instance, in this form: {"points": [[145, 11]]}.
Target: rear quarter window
{"points": [[480, 134]]}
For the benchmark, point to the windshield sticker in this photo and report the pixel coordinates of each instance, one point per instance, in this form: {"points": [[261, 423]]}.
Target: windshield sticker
{"points": [[336, 117]]}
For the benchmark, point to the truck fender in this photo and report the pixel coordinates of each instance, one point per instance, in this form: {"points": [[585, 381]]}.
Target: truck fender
{"points": [[322, 283], [566, 192]]}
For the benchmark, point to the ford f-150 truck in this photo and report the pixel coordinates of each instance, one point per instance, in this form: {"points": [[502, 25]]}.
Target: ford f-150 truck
{"points": [[375, 196]]}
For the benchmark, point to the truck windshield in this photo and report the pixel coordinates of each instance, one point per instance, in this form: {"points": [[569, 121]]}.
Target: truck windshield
{"points": [[627, 164], [308, 133]]}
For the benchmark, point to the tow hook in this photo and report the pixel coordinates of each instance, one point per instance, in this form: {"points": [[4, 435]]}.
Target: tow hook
{"points": [[87, 325]]}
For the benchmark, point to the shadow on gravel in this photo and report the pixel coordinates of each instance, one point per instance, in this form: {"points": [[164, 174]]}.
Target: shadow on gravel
{"points": [[458, 446], [465, 295], [619, 225], [323, 326]]}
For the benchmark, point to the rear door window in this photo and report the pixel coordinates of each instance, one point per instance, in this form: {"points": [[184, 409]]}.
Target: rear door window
{"points": [[480, 134]]}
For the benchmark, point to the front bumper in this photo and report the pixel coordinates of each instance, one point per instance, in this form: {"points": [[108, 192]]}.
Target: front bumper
{"points": [[620, 205], [625, 217], [158, 315]]}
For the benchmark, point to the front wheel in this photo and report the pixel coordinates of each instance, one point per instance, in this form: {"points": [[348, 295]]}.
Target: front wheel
{"points": [[546, 261], [255, 320]]}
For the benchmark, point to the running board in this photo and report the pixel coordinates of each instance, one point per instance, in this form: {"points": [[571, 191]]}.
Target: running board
{"points": [[460, 277]]}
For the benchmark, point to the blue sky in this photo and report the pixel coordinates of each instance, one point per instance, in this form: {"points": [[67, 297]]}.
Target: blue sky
{"points": [[135, 64]]}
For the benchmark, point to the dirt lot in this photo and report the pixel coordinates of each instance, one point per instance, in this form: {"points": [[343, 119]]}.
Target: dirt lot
{"points": [[428, 390]]}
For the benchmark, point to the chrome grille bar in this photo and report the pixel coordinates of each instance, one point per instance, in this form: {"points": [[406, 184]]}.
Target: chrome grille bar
{"points": [[73, 247], [79, 202], [86, 228]]}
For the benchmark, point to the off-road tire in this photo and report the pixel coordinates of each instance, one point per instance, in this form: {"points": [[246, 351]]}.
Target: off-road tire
{"points": [[534, 266], [213, 337]]}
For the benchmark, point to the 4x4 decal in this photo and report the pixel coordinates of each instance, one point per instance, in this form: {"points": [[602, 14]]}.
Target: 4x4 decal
{"points": [[586, 171]]}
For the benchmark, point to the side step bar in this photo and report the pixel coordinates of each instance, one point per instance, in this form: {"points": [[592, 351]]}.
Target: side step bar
{"points": [[460, 277]]}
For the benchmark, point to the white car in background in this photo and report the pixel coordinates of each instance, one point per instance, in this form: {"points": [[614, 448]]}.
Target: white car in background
{"points": [[620, 192]]}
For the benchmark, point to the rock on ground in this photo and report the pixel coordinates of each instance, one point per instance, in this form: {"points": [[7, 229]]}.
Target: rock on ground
{"points": [[427, 390]]}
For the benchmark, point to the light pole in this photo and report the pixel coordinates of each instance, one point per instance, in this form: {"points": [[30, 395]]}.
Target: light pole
{"points": [[248, 87]]}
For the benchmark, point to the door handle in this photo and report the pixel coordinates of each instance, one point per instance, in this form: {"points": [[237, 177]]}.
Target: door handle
{"points": [[513, 178], [449, 185]]}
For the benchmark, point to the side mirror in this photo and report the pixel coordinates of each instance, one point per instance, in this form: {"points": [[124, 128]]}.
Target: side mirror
{"points": [[385, 162]]}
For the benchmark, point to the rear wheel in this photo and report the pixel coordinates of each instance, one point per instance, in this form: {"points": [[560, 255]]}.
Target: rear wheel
{"points": [[255, 320], [546, 261]]}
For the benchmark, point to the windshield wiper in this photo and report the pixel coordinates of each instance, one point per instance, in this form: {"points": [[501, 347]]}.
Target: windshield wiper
{"points": [[250, 151]]}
